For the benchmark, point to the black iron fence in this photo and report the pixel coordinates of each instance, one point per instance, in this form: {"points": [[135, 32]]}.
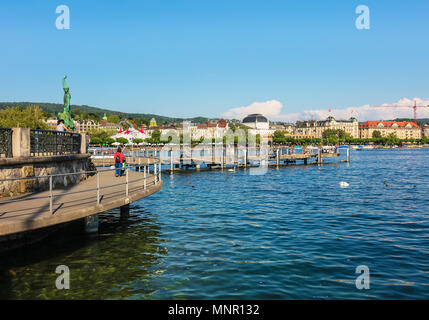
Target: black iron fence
{"points": [[48, 142], [5, 142]]}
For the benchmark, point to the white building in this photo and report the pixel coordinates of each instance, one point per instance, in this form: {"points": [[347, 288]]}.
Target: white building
{"points": [[258, 124], [316, 128], [131, 134]]}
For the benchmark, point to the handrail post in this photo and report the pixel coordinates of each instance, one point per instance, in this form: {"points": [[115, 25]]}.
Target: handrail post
{"points": [[160, 169], [98, 188], [277, 157], [50, 195], [171, 161], [126, 179], [144, 177]]}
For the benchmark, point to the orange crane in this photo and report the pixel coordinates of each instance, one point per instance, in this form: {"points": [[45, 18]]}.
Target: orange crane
{"points": [[415, 109]]}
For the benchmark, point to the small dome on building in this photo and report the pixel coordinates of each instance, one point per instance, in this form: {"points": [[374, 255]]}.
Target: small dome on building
{"points": [[256, 117], [256, 121]]}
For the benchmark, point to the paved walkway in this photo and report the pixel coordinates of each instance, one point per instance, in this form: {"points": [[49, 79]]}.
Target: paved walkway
{"points": [[35, 213]]}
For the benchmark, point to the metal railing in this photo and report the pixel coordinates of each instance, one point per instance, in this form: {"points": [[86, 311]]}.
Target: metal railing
{"points": [[49, 142], [156, 175], [6, 142]]}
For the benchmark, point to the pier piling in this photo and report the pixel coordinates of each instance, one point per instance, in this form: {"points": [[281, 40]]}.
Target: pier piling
{"points": [[125, 211]]}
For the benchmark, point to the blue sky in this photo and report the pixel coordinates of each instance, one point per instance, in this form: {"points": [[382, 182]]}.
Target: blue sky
{"points": [[205, 57]]}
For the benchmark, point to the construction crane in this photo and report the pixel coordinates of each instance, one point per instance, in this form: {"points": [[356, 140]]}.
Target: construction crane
{"points": [[414, 107]]}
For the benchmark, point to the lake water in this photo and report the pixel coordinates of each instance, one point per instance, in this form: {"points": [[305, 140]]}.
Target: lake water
{"points": [[292, 233]]}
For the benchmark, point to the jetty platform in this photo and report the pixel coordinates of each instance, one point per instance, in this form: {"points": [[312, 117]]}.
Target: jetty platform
{"points": [[98, 193]]}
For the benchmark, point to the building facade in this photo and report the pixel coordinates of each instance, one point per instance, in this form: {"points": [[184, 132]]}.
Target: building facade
{"points": [[425, 130], [317, 127], [209, 129], [86, 125], [402, 129]]}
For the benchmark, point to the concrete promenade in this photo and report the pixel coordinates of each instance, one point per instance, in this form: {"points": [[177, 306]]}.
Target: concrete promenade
{"points": [[25, 215]]}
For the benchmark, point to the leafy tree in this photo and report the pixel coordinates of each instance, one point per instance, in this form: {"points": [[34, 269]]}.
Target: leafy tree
{"points": [[376, 134], [102, 134], [156, 135], [137, 141], [113, 118], [122, 140], [392, 139], [18, 117], [279, 134], [95, 141], [75, 113], [108, 141], [333, 136]]}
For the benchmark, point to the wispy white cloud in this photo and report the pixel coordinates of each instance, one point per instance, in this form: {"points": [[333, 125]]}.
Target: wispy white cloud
{"points": [[272, 109]]}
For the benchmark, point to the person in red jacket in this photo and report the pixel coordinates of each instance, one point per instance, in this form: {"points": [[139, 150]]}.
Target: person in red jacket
{"points": [[119, 161]]}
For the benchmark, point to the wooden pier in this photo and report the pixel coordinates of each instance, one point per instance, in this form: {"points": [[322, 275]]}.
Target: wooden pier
{"points": [[175, 159], [175, 163], [94, 195]]}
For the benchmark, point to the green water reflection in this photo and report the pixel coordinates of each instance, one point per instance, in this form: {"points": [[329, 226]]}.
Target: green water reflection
{"points": [[118, 263]]}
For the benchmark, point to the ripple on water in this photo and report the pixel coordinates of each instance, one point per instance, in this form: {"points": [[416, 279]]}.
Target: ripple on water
{"points": [[289, 234]]}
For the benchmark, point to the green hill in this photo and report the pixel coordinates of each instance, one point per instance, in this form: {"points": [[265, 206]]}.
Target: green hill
{"points": [[54, 108]]}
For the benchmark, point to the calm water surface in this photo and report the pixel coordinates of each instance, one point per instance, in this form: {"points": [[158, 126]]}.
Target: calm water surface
{"points": [[292, 233]]}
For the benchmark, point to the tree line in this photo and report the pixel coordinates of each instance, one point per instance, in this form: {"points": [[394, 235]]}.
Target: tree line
{"points": [[332, 137]]}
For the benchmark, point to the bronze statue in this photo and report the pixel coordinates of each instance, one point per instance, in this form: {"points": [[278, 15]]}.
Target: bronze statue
{"points": [[66, 115]]}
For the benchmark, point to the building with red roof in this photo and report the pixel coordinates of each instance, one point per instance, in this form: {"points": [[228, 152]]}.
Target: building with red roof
{"points": [[402, 129]]}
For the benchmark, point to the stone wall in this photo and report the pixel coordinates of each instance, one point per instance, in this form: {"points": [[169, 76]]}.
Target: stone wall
{"points": [[38, 167]]}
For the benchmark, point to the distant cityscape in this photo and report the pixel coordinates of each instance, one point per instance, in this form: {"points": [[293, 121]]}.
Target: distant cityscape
{"points": [[258, 124]]}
